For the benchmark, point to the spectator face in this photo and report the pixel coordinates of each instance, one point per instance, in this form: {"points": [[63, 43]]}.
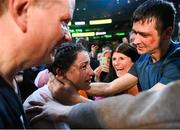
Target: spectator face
{"points": [[145, 37], [106, 64], [47, 23], [80, 73], [121, 63], [107, 54]]}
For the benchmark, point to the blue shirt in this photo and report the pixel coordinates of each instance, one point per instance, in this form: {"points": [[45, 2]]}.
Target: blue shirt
{"points": [[163, 71]]}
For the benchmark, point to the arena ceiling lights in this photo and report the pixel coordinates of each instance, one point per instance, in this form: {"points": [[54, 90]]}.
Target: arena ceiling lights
{"points": [[102, 21]]}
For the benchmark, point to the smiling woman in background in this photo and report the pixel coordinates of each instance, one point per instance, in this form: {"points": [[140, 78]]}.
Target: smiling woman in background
{"points": [[123, 57]]}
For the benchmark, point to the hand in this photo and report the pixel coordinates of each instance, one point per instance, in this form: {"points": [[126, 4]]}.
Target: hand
{"points": [[94, 48], [63, 90], [49, 110], [97, 73]]}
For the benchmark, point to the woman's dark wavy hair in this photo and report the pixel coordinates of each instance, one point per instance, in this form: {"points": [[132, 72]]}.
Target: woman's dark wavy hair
{"points": [[65, 56], [125, 49]]}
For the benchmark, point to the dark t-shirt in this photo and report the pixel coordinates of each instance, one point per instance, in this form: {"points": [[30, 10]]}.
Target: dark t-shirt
{"points": [[163, 71], [11, 110]]}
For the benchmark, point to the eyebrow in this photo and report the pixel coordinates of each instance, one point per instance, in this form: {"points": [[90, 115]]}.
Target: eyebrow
{"points": [[83, 62], [141, 33]]}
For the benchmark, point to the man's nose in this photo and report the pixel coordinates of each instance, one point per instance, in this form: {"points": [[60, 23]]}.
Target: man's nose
{"points": [[67, 36]]}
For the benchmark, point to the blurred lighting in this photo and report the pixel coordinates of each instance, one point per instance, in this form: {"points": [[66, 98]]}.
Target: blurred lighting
{"points": [[80, 23], [69, 24], [103, 21], [107, 36], [100, 33], [78, 30], [71, 31], [120, 34], [85, 34]]}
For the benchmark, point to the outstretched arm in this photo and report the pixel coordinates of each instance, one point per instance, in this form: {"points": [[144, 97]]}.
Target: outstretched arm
{"points": [[150, 109], [116, 86]]}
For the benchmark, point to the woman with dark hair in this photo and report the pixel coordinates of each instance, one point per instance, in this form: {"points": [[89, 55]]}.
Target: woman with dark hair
{"points": [[122, 58], [71, 61]]}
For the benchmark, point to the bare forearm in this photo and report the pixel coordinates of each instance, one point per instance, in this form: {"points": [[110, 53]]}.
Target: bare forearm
{"points": [[97, 89], [116, 86]]}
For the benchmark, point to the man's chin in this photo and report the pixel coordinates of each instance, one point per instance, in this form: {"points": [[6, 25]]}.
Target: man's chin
{"points": [[141, 52]]}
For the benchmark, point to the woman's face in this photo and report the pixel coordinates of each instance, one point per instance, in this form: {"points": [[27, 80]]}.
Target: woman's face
{"points": [[121, 63], [81, 73]]}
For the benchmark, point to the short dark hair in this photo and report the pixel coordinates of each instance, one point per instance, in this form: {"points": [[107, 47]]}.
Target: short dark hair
{"points": [[65, 56], [163, 11]]}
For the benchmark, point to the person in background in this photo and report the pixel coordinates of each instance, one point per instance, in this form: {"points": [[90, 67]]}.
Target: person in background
{"points": [[103, 69], [93, 56], [93, 51], [30, 31], [158, 65], [123, 57], [125, 40]]}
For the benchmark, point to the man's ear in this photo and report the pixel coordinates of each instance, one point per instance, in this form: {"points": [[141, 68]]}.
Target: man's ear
{"points": [[18, 10], [167, 33]]}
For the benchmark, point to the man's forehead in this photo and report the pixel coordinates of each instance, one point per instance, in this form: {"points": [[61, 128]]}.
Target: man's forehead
{"points": [[149, 20]]}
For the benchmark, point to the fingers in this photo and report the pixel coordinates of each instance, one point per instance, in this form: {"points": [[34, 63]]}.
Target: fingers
{"points": [[45, 97], [35, 103], [36, 118], [34, 109]]}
